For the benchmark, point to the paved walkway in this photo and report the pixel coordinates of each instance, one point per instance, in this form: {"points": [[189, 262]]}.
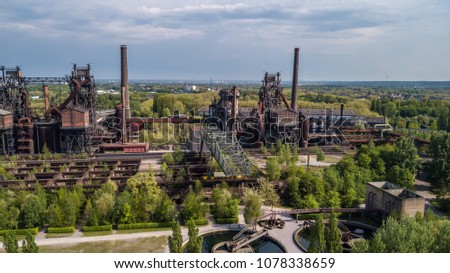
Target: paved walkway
{"points": [[285, 235]]}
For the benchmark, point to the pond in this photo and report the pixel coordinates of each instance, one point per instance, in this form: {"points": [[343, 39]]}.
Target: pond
{"points": [[262, 245], [357, 230]]}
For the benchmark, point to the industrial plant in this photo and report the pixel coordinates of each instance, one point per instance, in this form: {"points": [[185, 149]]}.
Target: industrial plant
{"points": [[75, 126]]}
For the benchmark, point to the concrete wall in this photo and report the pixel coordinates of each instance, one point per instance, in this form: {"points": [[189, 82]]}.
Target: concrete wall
{"points": [[412, 206], [388, 201]]}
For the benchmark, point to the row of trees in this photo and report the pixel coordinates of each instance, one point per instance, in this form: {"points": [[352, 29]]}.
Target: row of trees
{"points": [[414, 114], [194, 244], [10, 243], [325, 239], [439, 150], [141, 201]]}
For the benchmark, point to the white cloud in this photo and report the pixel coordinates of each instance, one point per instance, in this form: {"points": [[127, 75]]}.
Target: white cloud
{"points": [[393, 30]]}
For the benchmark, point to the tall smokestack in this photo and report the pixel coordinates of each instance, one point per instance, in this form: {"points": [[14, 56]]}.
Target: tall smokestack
{"points": [[45, 87], [124, 81], [295, 80]]}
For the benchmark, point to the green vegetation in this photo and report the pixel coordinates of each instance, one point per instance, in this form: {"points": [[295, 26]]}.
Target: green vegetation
{"points": [[176, 240], [194, 244], [325, 238], [97, 228], [142, 201], [343, 184], [144, 225], [10, 243], [61, 230], [267, 192], [410, 235], [225, 208], [252, 209], [29, 245], [440, 165], [194, 207], [317, 243], [333, 235]]}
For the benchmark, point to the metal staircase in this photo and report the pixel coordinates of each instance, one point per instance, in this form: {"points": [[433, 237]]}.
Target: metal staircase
{"points": [[227, 151]]}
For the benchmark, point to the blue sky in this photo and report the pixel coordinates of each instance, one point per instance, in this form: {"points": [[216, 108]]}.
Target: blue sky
{"points": [[230, 40]]}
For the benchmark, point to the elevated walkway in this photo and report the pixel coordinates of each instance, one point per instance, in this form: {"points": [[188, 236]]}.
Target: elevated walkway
{"points": [[227, 151]]}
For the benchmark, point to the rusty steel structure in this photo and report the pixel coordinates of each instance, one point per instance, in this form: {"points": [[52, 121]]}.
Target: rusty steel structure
{"points": [[72, 126], [276, 119], [67, 127]]}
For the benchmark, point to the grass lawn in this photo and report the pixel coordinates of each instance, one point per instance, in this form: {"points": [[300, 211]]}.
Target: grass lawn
{"points": [[139, 245], [332, 158]]}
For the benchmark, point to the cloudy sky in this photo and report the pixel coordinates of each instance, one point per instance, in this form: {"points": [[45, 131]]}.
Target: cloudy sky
{"points": [[230, 39]]}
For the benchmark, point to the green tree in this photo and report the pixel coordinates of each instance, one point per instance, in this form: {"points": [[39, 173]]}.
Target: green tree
{"points": [[10, 242], [123, 212], [309, 202], [442, 244], [166, 112], [168, 159], [333, 235], [376, 244], [29, 245], [89, 212], [273, 169], [165, 210], [332, 199], [178, 155], [54, 215], [9, 214], [176, 239], [267, 192], [195, 242], [32, 212], [219, 197], [252, 209], [390, 110], [104, 208], [68, 211], [439, 150], [400, 176], [317, 242], [405, 154], [193, 207], [360, 246]]}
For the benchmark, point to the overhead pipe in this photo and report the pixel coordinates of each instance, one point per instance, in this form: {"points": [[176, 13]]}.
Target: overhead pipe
{"points": [[295, 80]]}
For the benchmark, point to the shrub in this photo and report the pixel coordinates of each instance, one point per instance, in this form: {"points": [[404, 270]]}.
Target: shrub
{"points": [[199, 222], [61, 230], [232, 220], [33, 231], [97, 228], [144, 225]]}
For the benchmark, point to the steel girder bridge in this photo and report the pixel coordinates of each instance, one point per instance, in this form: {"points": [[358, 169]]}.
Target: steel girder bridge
{"points": [[227, 151]]}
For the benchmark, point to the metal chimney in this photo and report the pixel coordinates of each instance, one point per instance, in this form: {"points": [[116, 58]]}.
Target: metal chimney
{"points": [[124, 81], [295, 80]]}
